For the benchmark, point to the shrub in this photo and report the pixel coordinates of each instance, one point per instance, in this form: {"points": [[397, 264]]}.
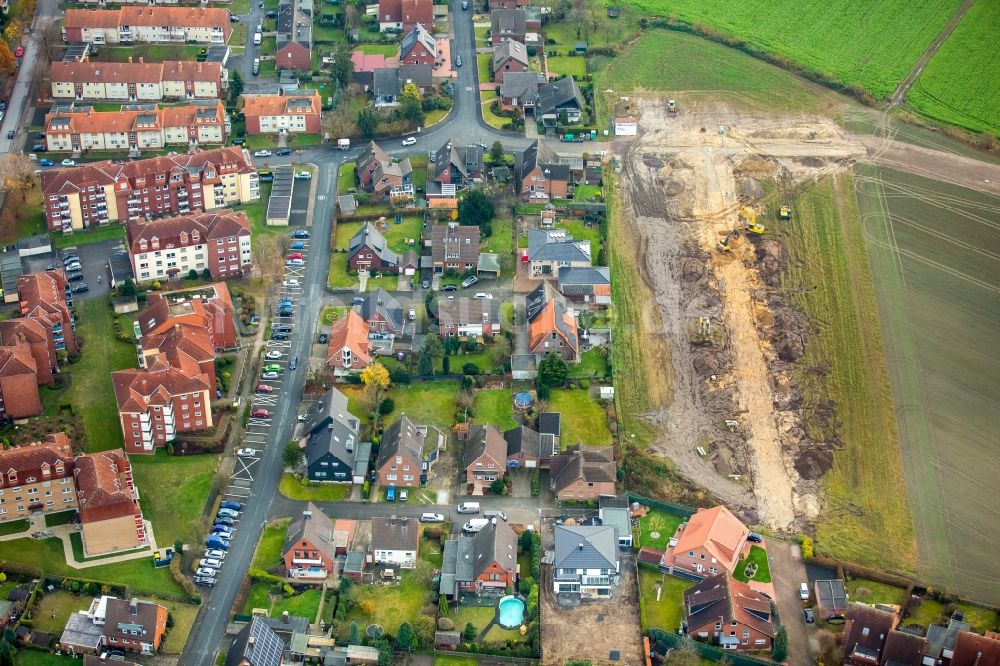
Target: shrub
{"points": [[470, 632], [445, 624], [470, 369], [807, 547], [536, 482], [386, 407]]}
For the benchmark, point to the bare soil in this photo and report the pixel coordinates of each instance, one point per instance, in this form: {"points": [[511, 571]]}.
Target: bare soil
{"points": [[732, 334]]}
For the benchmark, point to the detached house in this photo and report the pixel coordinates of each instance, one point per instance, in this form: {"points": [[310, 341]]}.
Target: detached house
{"points": [[256, 644], [383, 314], [368, 162], [730, 613], [551, 250], [454, 247], [400, 15], [310, 549], [298, 113], [400, 454], [509, 56], [349, 350], [418, 47], [333, 453], [538, 179], [484, 562], [524, 447], [484, 458], [395, 541], [519, 90], [468, 317], [866, 630], [711, 541], [136, 626], [560, 102], [585, 284], [369, 251], [551, 326], [393, 181], [580, 473], [506, 24], [456, 165], [586, 560], [388, 82]]}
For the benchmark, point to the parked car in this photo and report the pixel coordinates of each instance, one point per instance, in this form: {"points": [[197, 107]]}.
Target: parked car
{"points": [[205, 572], [804, 591], [80, 288], [222, 529], [239, 142], [40, 148], [403, 495], [303, 175], [283, 151], [279, 335], [482, 295], [260, 413], [292, 364], [231, 505], [295, 255], [468, 507], [265, 388], [272, 367], [269, 375], [10, 134], [210, 563], [246, 453], [412, 314], [409, 141], [216, 554], [458, 61], [298, 245], [228, 512], [425, 284], [469, 281], [285, 312], [323, 338], [272, 355], [272, 14], [67, 258], [44, 162], [300, 233], [431, 518], [73, 276], [204, 581], [390, 494], [756, 538], [218, 541], [449, 287], [68, 162], [295, 263], [222, 520], [262, 153], [808, 613], [291, 283], [495, 514]]}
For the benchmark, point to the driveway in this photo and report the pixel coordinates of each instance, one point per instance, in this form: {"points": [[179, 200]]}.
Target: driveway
{"points": [[787, 573]]}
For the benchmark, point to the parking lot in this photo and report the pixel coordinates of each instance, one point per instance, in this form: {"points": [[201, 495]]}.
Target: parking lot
{"points": [[93, 266]]}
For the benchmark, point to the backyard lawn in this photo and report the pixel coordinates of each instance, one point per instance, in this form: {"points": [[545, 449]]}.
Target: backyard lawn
{"points": [[427, 402], [479, 616], [35, 658], [927, 613], [374, 49], [593, 363], [481, 359], [661, 522], [52, 610], [575, 66], [502, 240], [304, 491], [496, 407], [453, 660], [870, 592], [667, 613], [85, 237], [399, 236], [305, 604], [583, 420], [345, 232], [268, 552], [173, 491], [492, 119], [339, 277], [586, 192], [758, 556], [580, 230], [184, 617], [345, 177], [393, 606]]}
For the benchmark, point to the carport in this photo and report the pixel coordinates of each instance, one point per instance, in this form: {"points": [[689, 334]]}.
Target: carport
{"points": [[279, 205]]}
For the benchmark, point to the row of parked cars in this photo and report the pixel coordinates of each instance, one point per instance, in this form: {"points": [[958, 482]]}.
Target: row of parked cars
{"points": [[218, 543], [74, 271]]}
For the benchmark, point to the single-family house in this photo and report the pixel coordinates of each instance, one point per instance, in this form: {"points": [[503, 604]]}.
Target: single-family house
{"points": [[586, 560], [349, 350], [585, 284], [905, 649], [468, 317], [368, 162], [507, 24], [711, 541], [369, 251], [393, 181], [560, 102], [383, 313], [484, 458], [831, 599], [310, 549], [400, 454], [552, 326], [519, 90], [332, 450], [484, 562], [256, 644], [524, 447], [133, 625], [729, 613], [388, 82], [456, 165], [975, 650], [418, 47], [537, 179], [509, 56], [866, 630], [550, 250], [583, 473], [454, 247], [395, 541], [401, 15]]}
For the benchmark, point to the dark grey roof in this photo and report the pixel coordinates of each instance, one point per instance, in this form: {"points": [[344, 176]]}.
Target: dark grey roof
{"points": [[371, 152], [555, 245], [81, 630], [402, 438], [550, 423], [316, 528], [584, 276], [533, 155], [941, 638], [496, 542], [561, 94], [523, 439], [465, 311], [509, 49], [294, 23], [523, 85], [586, 547], [389, 81], [369, 236], [831, 595], [395, 533], [265, 648], [507, 21], [593, 465], [449, 562], [354, 562], [467, 159], [418, 34], [421, 75], [484, 439], [385, 304], [464, 570], [332, 430]]}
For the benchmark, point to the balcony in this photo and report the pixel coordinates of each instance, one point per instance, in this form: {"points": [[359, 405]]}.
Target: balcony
{"points": [[308, 562]]}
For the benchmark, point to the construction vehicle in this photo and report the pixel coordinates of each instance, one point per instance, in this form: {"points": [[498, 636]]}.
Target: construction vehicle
{"points": [[750, 223], [723, 245], [785, 212], [671, 106]]}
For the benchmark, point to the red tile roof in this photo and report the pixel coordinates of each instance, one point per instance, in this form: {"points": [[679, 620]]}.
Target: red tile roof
{"points": [[30, 460], [975, 650], [92, 122], [104, 486], [281, 105], [210, 226], [716, 530], [91, 18], [350, 332], [135, 72], [136, 390]]}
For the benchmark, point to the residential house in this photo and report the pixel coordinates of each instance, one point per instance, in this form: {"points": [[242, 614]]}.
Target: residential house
{"points": [[209, 307], [418, 47], [333, 452], [37, 478], [294, 38], [101, 192], [550, 250], [256, 644], [711, 541], [110, 516], [583, 473], [454, 247], [456, 165], [508, 4], [904, 649], [368, 163], [552, 326], [393, 181], [585, 284], [395, 541], [729, 613], [349, 350], [383, 313], [524, 447], [369, 251], [509, 56], [484, 562], [507, 24], [468, 317], [403, 15], [484, 458], [133, 625], [560, 102], [169, 248], [152, 24], [586, 560], [81, 635], [537, 179], [135, 128], [388, 82], [310, 549], [941, 641], [365, 65], [975, 650], [519, 90], [136, 81], [866, 630], [292, 113], [19, 382], [831, 599], [400, 454]]}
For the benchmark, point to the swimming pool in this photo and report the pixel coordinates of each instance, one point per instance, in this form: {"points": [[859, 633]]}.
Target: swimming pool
{"points": [[511, 612]]}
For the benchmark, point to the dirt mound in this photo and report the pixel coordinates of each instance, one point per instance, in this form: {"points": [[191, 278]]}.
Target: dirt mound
{"points": [[673, 187], [755, 166], [692, 270], [813, 463], [750, 188]]}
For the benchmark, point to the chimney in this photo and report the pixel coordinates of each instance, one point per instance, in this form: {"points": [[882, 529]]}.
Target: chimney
{"points": [[133, 606], [284, 617], [580, 547]]}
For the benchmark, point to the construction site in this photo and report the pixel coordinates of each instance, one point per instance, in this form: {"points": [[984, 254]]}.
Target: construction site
{"points": [[706, 193]]}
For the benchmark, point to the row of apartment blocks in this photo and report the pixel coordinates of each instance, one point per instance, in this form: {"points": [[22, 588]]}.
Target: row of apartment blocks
{"points": [[137, 81], [203, 25], [33, 345], [171, 391], [136, 127], [47, 477], [103, 192]]}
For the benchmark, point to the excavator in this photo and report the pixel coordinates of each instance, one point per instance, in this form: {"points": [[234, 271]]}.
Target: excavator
{"points": [[723, 245], [750, 223], [785, 212]]}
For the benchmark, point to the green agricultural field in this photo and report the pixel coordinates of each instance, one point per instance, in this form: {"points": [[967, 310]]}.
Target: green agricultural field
{"points": [[867, 518], [873, 45], [956, 85], [933, 255]]}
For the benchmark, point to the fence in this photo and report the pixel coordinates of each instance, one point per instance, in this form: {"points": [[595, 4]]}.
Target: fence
{"points": [[487, 657], [709, 652], [676, 509]]}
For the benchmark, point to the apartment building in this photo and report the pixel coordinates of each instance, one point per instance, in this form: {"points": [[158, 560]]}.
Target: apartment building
{"points": [[110, 516], [135, 127], [37, 477], [170, 248], [137, 81], [209, 307], [102, 192], [202, 25], [290, 114], [294, 38]]}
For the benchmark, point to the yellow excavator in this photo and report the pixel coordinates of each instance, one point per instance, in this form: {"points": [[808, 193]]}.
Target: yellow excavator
{"points": [[785, 213], [750, 223], [723, 245]]}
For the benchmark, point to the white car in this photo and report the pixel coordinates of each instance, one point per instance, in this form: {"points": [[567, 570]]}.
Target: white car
{"points": [[205, 571], [409, 141], [431, 518], [291, 283], [272, 355], [68, 163], [270, 375], [303, 175], [216, 554], [482, 295], [246, 453], [804, 591], [210, 563], [262, 153]]}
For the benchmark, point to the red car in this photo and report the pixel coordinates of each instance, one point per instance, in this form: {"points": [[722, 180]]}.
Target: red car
{"points": [[265, 388], [295, 255], [18, 52], [260, 414]]}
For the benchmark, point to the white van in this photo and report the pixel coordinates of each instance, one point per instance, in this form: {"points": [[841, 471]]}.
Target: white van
{"points": [[256, 38], [475, 525], [344, 144], [256, 66], [468, 507]]}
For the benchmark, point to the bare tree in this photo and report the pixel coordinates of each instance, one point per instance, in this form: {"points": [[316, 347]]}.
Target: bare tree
{"points": [[17, 173], [51, 40]]}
